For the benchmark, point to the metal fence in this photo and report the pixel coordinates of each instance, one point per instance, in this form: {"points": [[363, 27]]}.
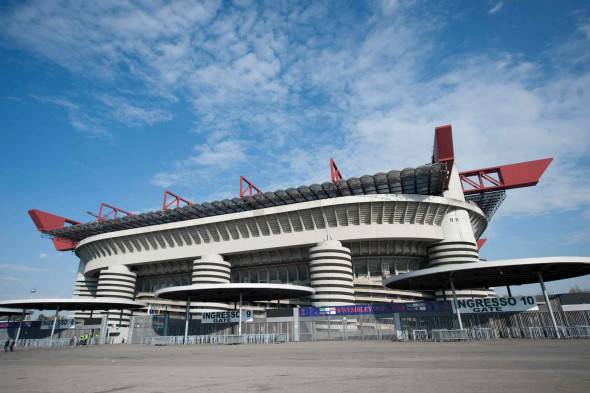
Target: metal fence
{"points": [[217, 339], [412, 326], [143, 328], [359, 327], [44, 343]]}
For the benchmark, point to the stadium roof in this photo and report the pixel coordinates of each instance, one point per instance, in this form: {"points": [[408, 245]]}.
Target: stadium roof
{"points": [[424, 180]]}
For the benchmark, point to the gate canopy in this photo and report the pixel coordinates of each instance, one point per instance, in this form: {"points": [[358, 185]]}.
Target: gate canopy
{"points": [[4, 311], [231, 292], [491, 274], [73, 304]]}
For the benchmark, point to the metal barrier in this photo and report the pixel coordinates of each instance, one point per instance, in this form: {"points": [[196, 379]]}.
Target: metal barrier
{"points": [[226, 339], [419, 335], [43, 343], [483, 334], [450, 335], [577, 332]]}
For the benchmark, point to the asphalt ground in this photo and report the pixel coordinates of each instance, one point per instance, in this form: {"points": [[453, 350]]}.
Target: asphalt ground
{"points": [[355, 366]]}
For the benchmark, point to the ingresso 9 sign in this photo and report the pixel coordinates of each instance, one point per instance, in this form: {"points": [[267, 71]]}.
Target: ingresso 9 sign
{"points": [[226, 316], [496, 304]]}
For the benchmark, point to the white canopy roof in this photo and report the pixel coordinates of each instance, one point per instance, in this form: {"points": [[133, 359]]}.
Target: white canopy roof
{"points": [[491, 274], [231, 292], [81, 303]]}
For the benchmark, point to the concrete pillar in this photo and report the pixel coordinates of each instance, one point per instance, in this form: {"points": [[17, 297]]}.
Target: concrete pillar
{"points": [[330, 270], [119, 282], [210, 269]]}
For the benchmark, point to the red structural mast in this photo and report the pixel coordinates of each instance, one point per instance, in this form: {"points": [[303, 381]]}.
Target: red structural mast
{"points": [[113, 213], [443, 151], [176, 200], [47, 222], [249, 189], [335, 173], [504, 177], [480, 242]]}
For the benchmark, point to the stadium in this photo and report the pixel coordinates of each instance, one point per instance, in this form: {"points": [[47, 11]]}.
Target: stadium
{"points": [[343, 237]]}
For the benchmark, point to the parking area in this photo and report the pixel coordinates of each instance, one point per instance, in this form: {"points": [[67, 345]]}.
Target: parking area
{"points": [[354, 366]]}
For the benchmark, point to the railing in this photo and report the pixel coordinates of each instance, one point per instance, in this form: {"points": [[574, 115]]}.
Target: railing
{"points": [[577, 332], [43, 343], [419, 335], [450, 335], [228, 339], [483, 334]]}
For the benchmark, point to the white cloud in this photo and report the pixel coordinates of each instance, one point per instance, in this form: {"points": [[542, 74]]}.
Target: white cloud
{"points": [[84, 123], [223, 154], [43, 255], [20, 268], [209, 158], [132, 115], [302, 84], [10, 279], [496, 8]]}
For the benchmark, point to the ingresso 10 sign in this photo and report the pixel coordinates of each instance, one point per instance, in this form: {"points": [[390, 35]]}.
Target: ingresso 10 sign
{"points": [[496, 304], [226, 316]]}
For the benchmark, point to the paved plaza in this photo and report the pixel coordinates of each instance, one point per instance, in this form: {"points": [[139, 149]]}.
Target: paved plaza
{"points": [[499, 366]]}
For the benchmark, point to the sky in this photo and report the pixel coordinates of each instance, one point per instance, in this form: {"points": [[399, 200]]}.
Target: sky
{"points": [[118, 101]]}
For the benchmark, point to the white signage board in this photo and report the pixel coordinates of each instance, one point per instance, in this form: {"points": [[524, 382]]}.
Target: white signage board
{"points": [[497, 304], [47, 324], [227, 316]]}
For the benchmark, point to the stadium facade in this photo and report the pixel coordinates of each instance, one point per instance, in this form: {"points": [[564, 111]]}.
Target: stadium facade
{"points": [[342, 237]]}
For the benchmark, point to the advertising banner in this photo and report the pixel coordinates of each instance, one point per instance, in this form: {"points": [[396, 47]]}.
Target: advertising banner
{"points": [[61, 324], [497, 304], [376, 309], [227, 316]]}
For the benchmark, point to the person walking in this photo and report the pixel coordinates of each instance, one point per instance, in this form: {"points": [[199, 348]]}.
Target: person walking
{"points": [[6, 344], [12, 344]]}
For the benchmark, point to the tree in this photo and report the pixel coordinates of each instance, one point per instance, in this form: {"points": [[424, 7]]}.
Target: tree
{"points": [[575, 289]]}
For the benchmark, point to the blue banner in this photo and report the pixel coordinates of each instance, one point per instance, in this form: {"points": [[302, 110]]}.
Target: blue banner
{"points": [[376, 309]]}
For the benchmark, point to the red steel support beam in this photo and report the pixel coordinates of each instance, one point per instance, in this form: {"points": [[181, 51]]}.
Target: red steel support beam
{"points": [[443, 151], [481, 242], [47, 222], [175, 200], [335, 173], [504, 177], [247, 190], [112, 214]]}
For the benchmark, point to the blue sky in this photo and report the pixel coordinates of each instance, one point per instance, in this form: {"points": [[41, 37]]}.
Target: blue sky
{"points": [[116, 102]]}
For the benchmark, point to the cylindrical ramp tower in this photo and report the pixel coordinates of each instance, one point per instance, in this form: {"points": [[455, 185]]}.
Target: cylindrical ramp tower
{"points": [[210, 269], [85, 287], [459, 244], [330, 270], [117, 281]]}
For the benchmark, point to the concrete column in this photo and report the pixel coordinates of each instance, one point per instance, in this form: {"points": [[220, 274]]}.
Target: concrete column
{"points": [[330, 270], [210, 269], [119, 282]]}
